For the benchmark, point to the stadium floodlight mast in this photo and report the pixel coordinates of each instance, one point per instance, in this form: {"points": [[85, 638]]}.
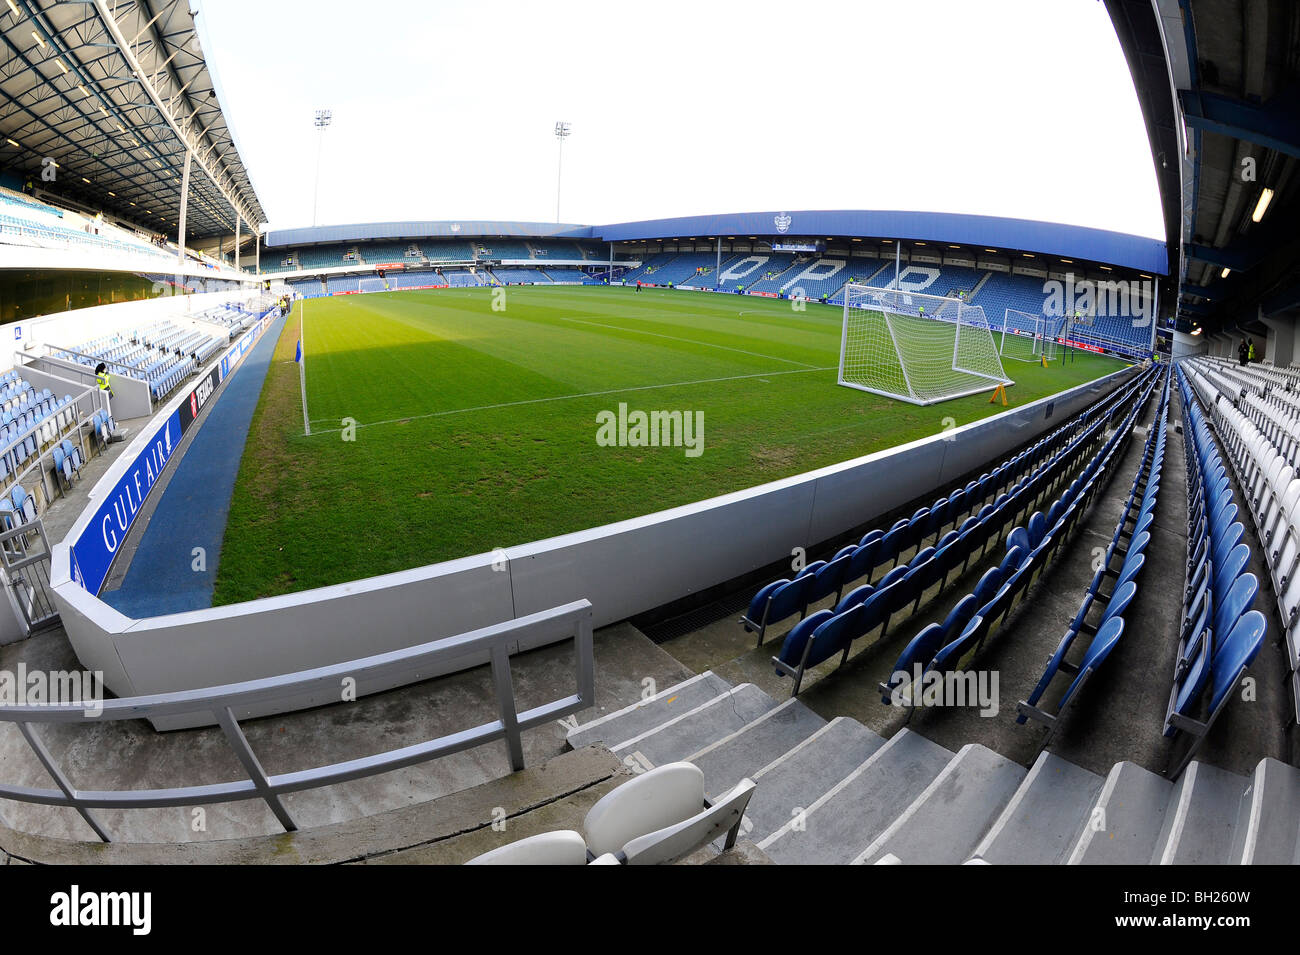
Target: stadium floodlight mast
{"points": [[562, 131], [323, 118]]}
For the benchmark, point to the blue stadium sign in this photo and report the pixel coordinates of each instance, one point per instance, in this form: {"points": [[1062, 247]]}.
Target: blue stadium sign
{"points": [[94, 550]]}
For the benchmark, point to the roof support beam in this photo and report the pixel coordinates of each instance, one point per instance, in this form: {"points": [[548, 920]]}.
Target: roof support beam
{"points": [[181, 125], [1275, 125]]}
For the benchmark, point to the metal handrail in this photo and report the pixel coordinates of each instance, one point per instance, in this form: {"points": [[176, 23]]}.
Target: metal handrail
{"points": [[492, 645]]}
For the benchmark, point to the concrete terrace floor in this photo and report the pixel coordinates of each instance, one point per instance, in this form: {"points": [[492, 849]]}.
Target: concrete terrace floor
{"points": [[1120, 713], [132, 755]]}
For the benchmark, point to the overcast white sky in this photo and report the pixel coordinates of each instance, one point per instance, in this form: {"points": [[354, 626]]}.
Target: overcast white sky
{"points": [[446, 109]]}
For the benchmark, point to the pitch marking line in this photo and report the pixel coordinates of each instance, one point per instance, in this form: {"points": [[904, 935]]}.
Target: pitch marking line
{"points": [[586, 394], [690, 341]]}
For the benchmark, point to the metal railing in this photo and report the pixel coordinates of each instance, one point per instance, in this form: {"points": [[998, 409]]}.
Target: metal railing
{"points": [[25, 557], [33, 471], [492, 645]]}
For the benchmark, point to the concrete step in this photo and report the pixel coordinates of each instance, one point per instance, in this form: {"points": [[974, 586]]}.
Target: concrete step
{"points": [[795, 779], [1042, 822], [1125, 822], [743, 753], [852, 813], [613, 728], [944, 824], [691, 731], [1200, 825], [1271, 833]]}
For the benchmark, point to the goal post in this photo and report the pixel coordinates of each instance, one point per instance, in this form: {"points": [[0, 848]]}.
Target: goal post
{"points": [[372, 283], [1029, 337], [917, 348]]}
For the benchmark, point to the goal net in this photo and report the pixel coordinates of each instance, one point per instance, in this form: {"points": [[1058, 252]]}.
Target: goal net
{"points": [[1029, 337], [372, 283], [917, 348]]}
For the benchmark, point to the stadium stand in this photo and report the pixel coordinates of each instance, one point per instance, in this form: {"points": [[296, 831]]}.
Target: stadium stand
{"points": [[461, 278], [1126, 548], [322, 256], [341, 283], [1220, 636], [448, 252], [307, 288], [1256, 413], [977, 514], [747, 270], [27, 221], [162, 354], [565, 274], [414, 279], [649, 267], [503, 249], [513, 276]]}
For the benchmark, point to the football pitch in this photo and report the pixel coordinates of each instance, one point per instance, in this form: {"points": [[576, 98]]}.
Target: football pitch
{"points": [[443, 426]]}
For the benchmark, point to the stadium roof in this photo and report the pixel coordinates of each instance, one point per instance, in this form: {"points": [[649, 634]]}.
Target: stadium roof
{"points": [[1114, 248], [464, 228], [1219, 86], [1022, 235], [114, 92]]}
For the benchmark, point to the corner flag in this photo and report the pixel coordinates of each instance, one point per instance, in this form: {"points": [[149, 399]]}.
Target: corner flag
{"points": [[298, 354]]}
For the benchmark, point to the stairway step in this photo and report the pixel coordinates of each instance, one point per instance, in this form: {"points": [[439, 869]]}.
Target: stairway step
{"points": [[1042, 822], [944, 824], [743, 753], [646, 714], [1202, 818], [1132, 803], [694, 729], [1271, 834], [795, 779], [859, 807]]}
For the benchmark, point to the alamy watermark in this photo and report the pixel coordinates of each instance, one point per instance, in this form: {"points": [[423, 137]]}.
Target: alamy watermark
{"points": [[651, 429], [1133, 299], [964, 688], [24, 687]]}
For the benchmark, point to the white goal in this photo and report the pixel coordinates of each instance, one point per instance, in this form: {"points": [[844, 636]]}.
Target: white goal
{"points": [[372, 283], [916, 348], [1029, 337]]}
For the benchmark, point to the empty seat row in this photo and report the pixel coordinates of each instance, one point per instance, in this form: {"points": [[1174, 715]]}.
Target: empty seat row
{"points": [[944, 648], [1220, 634], [822, 635], [782, 598], [1271, 487], [1101, 614]]}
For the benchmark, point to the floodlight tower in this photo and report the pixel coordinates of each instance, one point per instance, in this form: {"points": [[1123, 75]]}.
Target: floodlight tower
{"points": [[323, 118], [562, 131]]}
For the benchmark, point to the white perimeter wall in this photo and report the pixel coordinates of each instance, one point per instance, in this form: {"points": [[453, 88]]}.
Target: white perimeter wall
{"points": [[623, 569]]}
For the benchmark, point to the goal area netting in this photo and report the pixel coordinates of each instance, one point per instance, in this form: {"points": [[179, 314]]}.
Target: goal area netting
{"points": [[915, 347], [1029, 337], [372, 283]]}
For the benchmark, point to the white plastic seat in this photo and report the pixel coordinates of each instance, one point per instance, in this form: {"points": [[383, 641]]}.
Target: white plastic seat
{"points": [[563, 847], [654, 800], [652, 819]]}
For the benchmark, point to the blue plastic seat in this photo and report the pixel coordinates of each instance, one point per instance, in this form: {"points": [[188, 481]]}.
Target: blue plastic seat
{"points": [[1235, 656]]}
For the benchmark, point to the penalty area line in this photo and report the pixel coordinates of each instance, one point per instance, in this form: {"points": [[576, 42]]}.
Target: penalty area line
{"points": [[585, 394]]}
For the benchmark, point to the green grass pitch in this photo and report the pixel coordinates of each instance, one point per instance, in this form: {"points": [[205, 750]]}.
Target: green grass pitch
{"points": [[476, 428]]}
